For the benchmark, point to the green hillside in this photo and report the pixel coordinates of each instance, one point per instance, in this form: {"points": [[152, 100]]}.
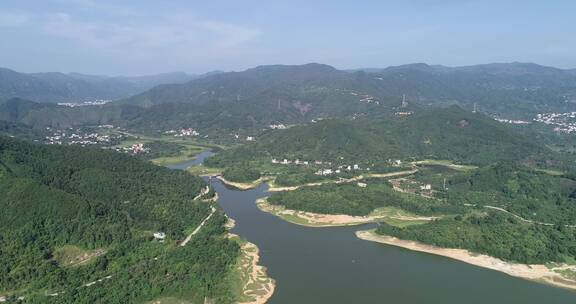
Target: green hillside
{"points": [[255, 98], [447, 133], [60, 200], [54, 87]]}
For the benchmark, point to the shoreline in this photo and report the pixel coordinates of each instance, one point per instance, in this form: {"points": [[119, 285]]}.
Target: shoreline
{"points": [[310, 219], [256, 274], [274, 188], [534, 272], [242, 186], [318, 220]]}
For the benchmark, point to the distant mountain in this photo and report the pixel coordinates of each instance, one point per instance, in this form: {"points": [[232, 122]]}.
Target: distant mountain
{"points": [[55, 87], [511, 89], [264, 95], [294, 94], [40, 115]]}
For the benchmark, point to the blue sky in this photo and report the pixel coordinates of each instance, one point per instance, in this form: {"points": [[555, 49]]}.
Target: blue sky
{"points": [[135, 37]]}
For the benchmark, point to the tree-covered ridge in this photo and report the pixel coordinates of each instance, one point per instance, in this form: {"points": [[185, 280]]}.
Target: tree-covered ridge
{"points": [[56, 87], [449, 133], [495, 234], [354, 200], [514, 213], [531, 194], [253, 99], [519, 89], [508, 211], [94, 199]]}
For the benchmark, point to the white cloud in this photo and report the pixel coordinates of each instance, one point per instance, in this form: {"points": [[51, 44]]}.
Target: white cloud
{"points": [[173, 36], [13, 19]]}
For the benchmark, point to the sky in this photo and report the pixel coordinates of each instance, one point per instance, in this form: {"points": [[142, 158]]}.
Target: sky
{"points": [[137, 37]]}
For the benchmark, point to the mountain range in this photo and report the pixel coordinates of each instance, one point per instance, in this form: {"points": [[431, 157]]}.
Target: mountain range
{"points": [[56, 87], [274, 94]]}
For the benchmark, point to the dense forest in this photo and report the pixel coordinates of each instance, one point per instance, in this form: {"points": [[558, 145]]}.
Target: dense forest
{"points": [[494, 234], [449, 133], [241, 174], [56, 197], [504, 210], [354, 200]]}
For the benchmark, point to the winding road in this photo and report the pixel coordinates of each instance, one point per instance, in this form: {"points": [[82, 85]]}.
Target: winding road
{"points": [[189, 237]]}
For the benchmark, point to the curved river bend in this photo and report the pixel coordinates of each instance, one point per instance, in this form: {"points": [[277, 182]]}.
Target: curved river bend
{"points": [[331, 265]]}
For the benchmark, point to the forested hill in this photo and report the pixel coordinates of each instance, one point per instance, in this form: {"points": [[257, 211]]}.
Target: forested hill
{"points": [[258, 97], [63, 205], [73, 87], [298, 93], [449, 133]]}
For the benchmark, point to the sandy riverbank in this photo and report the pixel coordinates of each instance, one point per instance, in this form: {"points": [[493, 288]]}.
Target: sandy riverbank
{"points": [[242, 186], [536, 272], [257, 286], [310, 219]]}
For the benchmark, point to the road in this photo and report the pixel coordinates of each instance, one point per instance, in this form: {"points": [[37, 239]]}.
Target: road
{"points": [[189, 237]]}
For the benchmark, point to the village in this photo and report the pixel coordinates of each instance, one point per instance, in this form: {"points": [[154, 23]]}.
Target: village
{"points": [[562, 122], [512, 121], [97, 102], [327, 169], [185, 132], [83, 137]]}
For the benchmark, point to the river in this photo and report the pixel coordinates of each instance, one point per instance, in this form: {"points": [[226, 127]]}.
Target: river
{"points": [[331, 265]]}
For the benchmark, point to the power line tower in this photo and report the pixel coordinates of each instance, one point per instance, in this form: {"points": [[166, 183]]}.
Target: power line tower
{"points": [[404, 102]]}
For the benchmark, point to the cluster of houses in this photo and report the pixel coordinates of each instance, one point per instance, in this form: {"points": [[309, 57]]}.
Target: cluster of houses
{"points": [[134, 149], [321, 172], [512, 121], [365, 97], [78, 137], [187, 132], [403, 113], [97, 102], [248, 138], [277, 127], [562, 122]]}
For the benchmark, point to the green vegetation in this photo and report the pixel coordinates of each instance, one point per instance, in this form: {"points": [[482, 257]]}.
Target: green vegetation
{"points": [[398, 217], [544, 205], [241, 174], [530, 194], [354, 200], [70, 255], [545, 202], [438, 134], [60, 203], [264, 95], [494, 234]]}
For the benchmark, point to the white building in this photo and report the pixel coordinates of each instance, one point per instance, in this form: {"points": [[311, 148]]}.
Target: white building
{"points": [[426, 187]]}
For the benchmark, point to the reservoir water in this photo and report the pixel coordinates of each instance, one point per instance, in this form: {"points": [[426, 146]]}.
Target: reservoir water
{"points": [[331, 265]]}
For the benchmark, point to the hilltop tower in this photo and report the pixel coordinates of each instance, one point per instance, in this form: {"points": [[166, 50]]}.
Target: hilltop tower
{"points": [[404, 102]]}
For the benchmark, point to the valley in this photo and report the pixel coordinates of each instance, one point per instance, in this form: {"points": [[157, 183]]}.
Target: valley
{"points": [[301, 147]]}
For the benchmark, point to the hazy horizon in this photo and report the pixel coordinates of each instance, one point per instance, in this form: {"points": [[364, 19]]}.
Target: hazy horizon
{"points": [[281, 64], [146, 37]]}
